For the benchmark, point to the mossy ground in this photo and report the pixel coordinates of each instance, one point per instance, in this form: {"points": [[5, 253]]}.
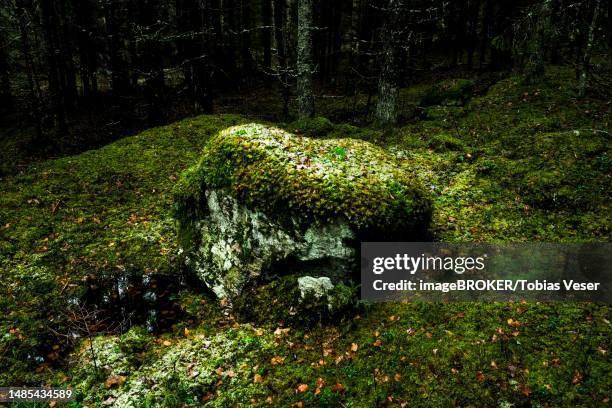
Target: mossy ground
{"points": [[518, 163]]}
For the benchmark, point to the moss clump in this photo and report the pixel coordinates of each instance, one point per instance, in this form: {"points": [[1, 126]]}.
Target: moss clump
{"points": [[280, 301], [312, 127], [315, 180], [451, 92], [444, 142]]}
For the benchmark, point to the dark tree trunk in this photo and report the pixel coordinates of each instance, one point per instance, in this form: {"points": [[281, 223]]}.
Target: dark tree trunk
{"points": [[35, 97], [120, 76], [280, 30], [388, 81], [586, 57], [304, 60], [245, 36], [85, 14], [266, 13], [5, 84], [193, 20], [56, 77], [151, 60]]}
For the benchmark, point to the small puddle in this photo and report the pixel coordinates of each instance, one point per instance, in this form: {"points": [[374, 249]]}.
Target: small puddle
{"points": [[124, 300]]}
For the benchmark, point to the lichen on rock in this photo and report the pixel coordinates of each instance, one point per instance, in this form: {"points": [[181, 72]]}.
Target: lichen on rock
{"points": [[263, 203]]}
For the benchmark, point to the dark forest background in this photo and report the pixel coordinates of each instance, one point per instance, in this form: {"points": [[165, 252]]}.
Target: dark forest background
{"points": [[78, 73]]}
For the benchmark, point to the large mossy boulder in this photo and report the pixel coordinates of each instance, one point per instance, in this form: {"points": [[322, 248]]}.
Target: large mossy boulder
{"points": [[263, 204]]}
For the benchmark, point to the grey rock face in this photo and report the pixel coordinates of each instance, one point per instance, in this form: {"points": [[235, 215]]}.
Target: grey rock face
{"points": [[238, 246]]}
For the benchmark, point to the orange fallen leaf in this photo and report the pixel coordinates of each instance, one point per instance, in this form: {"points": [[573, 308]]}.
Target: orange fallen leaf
{"points": [[258, 378], [513, 323], [277, 360], [337, 387], [302, 388], [377, 343], [354, 347], [480, 376], [525, 390], [117, 380]]}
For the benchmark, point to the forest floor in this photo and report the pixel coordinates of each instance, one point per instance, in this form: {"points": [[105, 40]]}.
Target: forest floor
{"points": [[517, 163]]}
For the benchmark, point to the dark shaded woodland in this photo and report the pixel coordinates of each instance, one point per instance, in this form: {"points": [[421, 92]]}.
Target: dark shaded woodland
{"points": [[80, 73]]}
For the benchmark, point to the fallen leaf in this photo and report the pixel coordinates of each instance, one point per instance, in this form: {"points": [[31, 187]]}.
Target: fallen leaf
{"points": [[525, 390], [117, 380], [337, 387], [377, 343], [302, 388], [258, 378], [480, 376], [354, 347], [577, 379], [167, 343], [277, 360]]}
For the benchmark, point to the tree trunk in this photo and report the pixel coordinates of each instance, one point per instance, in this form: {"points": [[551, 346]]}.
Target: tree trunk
{"points": [[266, 13], [85, 20], [388, 81], [304, 60], [534, 68], [245, 36], [280, 30], [120, 77], [35, 97], [586, 58], [56, 78], [5, 85]]}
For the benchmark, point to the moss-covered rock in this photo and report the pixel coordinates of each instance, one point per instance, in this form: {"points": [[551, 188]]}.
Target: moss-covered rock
{"points": [[218, 370], [454, 92], [262, 202]]}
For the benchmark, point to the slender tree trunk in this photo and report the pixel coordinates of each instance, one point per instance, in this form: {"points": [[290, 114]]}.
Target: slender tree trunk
{"points": [[120, 77], [304, 60], [266, 13], [55, 73], [280, 30], [388, 81], [245, 36], [85, 20], [5, 84], [534, 68], [35, 97], [586, 57]]}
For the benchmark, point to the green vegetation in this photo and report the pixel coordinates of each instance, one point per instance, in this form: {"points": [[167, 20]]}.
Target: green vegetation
{"points": [[453, 92], [518, 163], [279, 173]]}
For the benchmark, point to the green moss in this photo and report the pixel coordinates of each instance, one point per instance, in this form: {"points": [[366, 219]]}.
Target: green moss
{"points": [[448, 92], [280, 302], [318, 126], [280, 173], [445, 142]]}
